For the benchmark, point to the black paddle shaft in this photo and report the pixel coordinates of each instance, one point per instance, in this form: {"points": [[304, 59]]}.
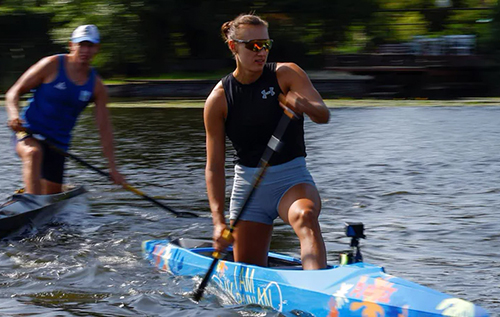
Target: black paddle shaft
{"points": [[273, 145], [107, 175]]}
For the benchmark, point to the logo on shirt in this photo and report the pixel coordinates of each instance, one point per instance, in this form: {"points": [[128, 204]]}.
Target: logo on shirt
{"points": [[266, 93], [60, 86], [85, 95]]}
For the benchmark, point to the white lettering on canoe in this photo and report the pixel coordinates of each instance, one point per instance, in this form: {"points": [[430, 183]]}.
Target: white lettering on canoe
{"points": [[246, 280], [243, 289], [265, 298]]}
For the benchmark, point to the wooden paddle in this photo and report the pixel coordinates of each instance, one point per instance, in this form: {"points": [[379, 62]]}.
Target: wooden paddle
{"points": [[183, 214], [272, 146]]}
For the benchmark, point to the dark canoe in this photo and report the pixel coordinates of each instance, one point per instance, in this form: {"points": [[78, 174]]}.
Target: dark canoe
{"points": [[22, 210]]}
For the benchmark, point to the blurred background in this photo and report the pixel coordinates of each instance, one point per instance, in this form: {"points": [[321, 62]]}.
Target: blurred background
{"points": [[370, 48], [424, 180]]}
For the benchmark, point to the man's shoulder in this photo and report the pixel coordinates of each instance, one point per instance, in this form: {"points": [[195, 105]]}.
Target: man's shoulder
{"points": [[51, 59], [46, 68], [99, 87], [48, 61]]}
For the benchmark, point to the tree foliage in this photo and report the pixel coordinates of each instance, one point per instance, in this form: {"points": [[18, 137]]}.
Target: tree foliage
{"points": [[147, 37]]}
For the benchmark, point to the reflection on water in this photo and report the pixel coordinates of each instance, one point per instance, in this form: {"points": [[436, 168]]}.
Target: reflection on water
{"points": [[423, 180]]}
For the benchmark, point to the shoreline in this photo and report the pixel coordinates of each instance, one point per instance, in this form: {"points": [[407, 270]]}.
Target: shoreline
{"points": [[330, 103]]}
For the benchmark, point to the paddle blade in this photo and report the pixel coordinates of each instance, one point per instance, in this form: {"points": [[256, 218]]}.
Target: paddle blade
{"points": [[198, 293]]}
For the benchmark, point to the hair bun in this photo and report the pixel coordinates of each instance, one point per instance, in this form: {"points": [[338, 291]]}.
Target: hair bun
{"points": [[225, 29], [229, 28]]}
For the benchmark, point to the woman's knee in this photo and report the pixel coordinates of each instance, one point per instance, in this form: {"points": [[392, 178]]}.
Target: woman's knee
{"points": [[304, 217], [299, 202]]}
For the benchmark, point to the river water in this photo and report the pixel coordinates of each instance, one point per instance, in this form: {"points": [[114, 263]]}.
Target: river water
{"points": [[423, 180]]}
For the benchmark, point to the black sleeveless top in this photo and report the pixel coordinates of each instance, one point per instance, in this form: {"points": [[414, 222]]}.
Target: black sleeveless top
{"points": [[253, 115]]}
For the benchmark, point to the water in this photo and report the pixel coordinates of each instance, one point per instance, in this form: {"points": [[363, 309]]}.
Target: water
{"points": [[424, 180]]}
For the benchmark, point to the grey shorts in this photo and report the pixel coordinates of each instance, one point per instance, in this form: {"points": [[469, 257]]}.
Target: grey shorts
{"points": [[277, 180]]}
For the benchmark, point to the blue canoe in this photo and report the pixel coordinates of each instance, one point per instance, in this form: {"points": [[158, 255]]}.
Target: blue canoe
{"points": [[357, 289]]}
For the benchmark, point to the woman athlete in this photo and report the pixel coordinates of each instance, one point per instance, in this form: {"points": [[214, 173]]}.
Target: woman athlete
{"points": [[247, 105]]}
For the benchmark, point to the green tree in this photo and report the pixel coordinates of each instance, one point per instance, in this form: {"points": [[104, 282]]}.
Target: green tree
{"points": [[121, 52]]}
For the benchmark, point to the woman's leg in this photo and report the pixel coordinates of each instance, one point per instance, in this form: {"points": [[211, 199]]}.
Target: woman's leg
{"points": [[251, 242], [49, 187], [300, 207]]}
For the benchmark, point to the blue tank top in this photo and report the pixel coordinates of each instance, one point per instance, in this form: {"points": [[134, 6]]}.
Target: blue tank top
{"points": [[55, 106]]}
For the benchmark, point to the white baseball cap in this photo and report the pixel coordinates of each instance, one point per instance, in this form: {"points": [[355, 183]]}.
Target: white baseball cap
{"points": [[87, 32]]}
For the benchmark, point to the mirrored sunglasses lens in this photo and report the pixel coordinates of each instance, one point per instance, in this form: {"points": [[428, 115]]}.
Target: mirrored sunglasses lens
{"points": [[257, 46]]}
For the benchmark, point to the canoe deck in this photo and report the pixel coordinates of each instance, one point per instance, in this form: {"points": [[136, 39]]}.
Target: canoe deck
{"points": [[23, 210]]}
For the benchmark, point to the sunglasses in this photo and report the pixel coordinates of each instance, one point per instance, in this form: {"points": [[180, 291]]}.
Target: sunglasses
{"points": [[257, 45]]}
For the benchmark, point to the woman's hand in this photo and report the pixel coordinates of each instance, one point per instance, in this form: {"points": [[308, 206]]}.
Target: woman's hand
{"points": [[293, 101], [221, 240]]}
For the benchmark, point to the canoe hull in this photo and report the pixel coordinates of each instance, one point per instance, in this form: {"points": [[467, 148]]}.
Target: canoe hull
{"points": [[33, 210], [359, 289]]}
